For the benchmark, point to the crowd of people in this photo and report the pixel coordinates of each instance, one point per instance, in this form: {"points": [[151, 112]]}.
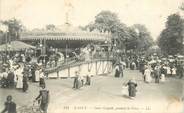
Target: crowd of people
{"points": [[153, 69], [18, 71]]}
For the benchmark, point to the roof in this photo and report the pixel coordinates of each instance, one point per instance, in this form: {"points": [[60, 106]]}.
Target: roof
{"points": [[63, 36], [66, 32], [16, 46]]}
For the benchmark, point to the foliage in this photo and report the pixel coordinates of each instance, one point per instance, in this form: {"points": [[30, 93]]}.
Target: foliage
{"points": [[107, 21], [124, 37], [144, 39], [14, 29], [170, 39]]}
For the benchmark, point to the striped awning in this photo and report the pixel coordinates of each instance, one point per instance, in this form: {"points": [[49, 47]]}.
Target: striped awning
{"points": [[65, 36]]}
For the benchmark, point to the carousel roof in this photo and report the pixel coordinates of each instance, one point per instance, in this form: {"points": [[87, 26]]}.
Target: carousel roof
{"points": [[65, 32], [16, 46]]}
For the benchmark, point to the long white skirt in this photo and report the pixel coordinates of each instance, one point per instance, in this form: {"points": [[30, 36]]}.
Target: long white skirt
{"points": [[37, 76], [124, 90], [148, 78], [19, 82], [162, 79]]}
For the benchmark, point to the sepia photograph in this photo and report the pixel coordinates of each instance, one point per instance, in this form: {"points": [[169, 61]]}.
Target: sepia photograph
{"points": [[91, 56]]}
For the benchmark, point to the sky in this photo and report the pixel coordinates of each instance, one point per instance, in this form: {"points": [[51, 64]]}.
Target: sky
{"points": [[38, 13]]}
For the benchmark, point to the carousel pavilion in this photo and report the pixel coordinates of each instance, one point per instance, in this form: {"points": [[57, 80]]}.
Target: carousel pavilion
{"points": [[65, 37]]}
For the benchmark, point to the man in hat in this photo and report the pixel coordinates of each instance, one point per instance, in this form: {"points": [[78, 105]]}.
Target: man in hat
{"points": [[10, 106]]}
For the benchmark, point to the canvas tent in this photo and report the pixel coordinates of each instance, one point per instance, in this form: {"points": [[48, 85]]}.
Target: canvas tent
{"points": [[16, 46]]}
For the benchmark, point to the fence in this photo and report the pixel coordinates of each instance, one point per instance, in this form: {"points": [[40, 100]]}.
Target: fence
{"points": [[93, 67]]}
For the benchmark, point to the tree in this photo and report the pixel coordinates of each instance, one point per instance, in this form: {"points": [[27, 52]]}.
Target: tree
{"points": [[107, 21], [124, 37], [144, 39], [139, 38], [170, 39], [14, 29]]}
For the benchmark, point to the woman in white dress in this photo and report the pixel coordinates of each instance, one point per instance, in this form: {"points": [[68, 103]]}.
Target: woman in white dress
{"points": [[37, 75], [168, 71], [124, 90], [162, 77], [147, 74], [173, 70], [19, 75]]}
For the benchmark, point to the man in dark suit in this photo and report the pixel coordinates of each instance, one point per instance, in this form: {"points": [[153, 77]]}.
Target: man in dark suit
{"points": [[10, 106], [76, 81], [45, 98]]}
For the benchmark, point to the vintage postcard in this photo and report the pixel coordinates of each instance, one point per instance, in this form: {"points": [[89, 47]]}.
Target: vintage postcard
{"points": [[91, 56]]}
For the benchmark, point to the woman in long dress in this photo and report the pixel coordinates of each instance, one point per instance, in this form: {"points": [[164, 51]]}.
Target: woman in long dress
{"points": [[25, 82], [173, 70], [124, 90], [19, 78], [33, 68], [132, 88], [42, 81], [162, 77], [157, 74], [168, 71], [147, 75], [117, 71], [37, 75]]}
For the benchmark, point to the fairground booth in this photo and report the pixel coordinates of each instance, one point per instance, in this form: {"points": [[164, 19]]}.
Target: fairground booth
{"points": [[71, 43]]}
